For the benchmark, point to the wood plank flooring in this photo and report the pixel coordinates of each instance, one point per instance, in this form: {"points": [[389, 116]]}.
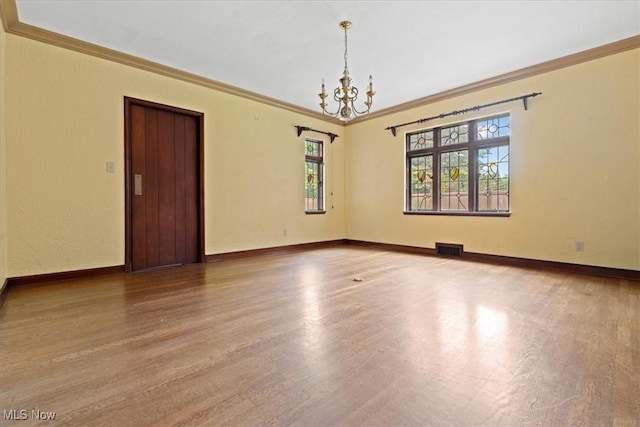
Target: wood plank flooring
{"points": [[292, 339]]}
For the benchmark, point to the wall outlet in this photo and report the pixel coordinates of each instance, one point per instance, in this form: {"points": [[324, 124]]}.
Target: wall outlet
{"points": [[579, 244], [111, 167], [284, 232]]}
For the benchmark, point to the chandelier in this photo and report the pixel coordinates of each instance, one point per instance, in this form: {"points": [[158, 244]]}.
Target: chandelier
{"points": [[345, 94]]}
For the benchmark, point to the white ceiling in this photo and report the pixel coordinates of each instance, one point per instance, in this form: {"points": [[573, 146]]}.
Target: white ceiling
{"points": [[283, 49]]}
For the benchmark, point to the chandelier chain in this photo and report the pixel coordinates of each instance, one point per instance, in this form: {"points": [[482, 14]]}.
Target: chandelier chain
{"points": [[346, 69]]}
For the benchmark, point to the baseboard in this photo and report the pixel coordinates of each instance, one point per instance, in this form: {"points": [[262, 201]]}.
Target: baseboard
{"points": [[468, 256], [63, 275], [3, 292], [39, 278], [594, 270], [273, 250], [617, 273], [392, 247]]}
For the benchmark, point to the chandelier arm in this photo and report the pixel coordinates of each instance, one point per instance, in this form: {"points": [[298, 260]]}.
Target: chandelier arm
{"points": [[324, 109], [359, 113], [354, 91], [353, 107], [339, 97]]}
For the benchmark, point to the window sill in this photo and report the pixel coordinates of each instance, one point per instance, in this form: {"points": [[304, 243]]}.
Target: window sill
{"points": [[315, 212], [454, 213]]}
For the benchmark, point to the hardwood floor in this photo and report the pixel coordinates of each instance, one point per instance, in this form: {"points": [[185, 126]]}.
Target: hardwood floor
{"points": [[293, 339]]}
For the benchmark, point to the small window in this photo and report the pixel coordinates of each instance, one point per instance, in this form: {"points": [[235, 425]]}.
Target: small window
{"points": [[314, 165], [459, 168]]}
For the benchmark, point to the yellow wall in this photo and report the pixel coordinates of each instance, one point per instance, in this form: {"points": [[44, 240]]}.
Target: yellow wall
{"points": [[575, 158], [575, 161], [64, 121], [3, 201]]}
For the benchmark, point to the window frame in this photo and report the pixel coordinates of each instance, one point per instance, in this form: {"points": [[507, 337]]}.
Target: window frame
{"points": [[319, 160], [473, 147]]}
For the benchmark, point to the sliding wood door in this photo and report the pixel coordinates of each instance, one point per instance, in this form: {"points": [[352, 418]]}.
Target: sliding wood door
{"points": [[164, 185]]}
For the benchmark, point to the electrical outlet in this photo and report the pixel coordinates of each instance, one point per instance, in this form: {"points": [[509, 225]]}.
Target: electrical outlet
{"points": [[579, 244], [111, 167], [284, 232]]}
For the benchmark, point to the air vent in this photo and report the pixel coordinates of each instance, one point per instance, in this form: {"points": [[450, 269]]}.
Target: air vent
{"points": [[449, 249]]}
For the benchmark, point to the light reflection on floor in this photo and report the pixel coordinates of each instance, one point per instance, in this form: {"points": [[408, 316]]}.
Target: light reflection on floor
{"points": [[309, 278]]}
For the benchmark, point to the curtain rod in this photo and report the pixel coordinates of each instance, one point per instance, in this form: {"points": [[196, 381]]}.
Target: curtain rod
{"points": [[466, 110], [304, 128]]}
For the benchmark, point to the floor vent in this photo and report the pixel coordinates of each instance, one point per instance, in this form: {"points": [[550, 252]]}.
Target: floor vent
{"points": [[448, 249]]}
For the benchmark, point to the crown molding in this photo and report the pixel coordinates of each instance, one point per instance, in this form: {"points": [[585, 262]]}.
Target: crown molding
{"points": [[8, 13], [12, 25], [523, 73]]}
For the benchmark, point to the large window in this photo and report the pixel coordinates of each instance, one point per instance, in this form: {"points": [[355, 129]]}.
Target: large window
{"points": [[460, 168], [313, 165]]}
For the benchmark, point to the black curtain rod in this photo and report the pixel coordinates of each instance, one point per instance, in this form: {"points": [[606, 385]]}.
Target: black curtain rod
{"points": [[304, 128], [466, 110]]}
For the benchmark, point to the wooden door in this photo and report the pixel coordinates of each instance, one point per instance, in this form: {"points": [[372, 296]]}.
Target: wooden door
{"points": [[164, 185]]}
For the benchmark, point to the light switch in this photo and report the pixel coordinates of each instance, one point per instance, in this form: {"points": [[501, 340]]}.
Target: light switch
{"points": [[111, 167]]}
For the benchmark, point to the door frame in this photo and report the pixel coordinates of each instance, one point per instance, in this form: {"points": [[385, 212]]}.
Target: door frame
{"points": [[128, 174]]}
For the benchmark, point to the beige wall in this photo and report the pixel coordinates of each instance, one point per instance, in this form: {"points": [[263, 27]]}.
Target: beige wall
{"points": [[3, 201], [575, 160], [64, 121]]}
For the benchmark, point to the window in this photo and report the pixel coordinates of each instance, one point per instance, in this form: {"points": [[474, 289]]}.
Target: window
{"points": [[460, 168], [313, 165]]}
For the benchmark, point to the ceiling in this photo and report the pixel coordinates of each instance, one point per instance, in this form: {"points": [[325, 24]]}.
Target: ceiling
{"points": [[283, 49]]}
